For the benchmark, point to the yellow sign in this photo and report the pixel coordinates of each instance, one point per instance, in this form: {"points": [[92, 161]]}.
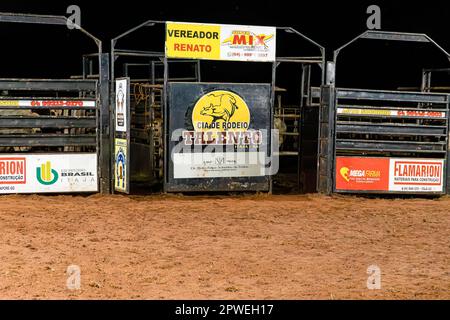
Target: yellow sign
{"points": [[221, 110], [220, 42], [371, 112], [201, 41]]}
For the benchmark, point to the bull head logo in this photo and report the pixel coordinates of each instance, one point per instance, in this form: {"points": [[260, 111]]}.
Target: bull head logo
{"points": [[220, 107]]}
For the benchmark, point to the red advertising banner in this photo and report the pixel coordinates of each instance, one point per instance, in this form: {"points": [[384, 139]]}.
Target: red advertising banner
{"points": [[361, 174]]}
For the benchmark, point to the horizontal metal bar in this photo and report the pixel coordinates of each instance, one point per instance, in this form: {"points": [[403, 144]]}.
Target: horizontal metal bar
{"points": [[9, 98], [382, 146], [286, 153], [392, 130], [33, 19], [391, 96], [46, 122], [299, 60], [47, 140], [289, 133], [287, 116], [386, 117], [388, 124], [137, 64], [46, 108], [395, 36], [437, 70], [410, 108], [138, 53], [48, 84]]}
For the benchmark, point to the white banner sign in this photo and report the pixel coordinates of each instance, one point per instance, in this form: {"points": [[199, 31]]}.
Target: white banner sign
{"points": [[247, 43], [44, 173], [47, 103], [218, 165], [121, 104], [392, 113], [416, 175]]}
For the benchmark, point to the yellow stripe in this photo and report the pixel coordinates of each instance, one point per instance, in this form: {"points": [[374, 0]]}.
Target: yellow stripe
{"points": [[48, 174], [43, 173]]}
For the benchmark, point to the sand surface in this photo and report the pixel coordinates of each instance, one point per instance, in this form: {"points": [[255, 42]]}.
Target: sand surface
{"points": [[255, 247]]}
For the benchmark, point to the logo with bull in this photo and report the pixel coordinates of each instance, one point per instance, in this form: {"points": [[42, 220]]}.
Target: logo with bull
{"points": [[221, 110]]}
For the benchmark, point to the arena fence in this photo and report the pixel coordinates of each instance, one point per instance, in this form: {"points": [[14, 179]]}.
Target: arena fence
{"points": [[54, 132], [159, 92], [377, 141]]}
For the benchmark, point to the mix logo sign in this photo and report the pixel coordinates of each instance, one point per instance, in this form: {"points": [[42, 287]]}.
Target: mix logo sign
{"points": [[248, 39], [220, 42], [41, 173], [389, 174]]}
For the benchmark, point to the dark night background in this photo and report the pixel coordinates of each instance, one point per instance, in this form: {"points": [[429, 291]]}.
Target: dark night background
{"points": [[31, 51]]}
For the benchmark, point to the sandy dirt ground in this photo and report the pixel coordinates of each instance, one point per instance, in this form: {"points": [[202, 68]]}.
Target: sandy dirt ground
{"points": [[257, 247]]}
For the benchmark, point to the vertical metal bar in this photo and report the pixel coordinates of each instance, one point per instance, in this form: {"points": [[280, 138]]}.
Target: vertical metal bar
{"points": [[125, 70], [199, 71], [112, 119], [271, 125], [150, 71], [153, 72], [325, 176], [166, 157], [447, 161], [104, 130], [84, 67], [91, 67], [332, 137], [305, 92]]}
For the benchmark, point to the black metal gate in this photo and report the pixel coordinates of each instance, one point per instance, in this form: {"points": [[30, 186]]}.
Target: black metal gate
{"points": [[378, 141], [386, 141], [54, 132]]}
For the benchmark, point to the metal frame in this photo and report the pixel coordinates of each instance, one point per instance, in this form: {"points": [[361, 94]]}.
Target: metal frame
{"points": [[116, 53], [330, 128], [99, 85]]}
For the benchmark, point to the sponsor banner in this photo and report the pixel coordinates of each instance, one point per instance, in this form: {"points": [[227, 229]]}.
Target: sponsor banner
{"points": [[13, 170], [410, 175], [391, 113], [43, 173], [47, 103], [218, 132], [121, 165], [218, 165], [362, 173], [389, 174], [220, 42], [122, 104]]}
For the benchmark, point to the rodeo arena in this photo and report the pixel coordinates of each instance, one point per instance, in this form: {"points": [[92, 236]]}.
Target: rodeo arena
{"points": [[194, 170]]}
